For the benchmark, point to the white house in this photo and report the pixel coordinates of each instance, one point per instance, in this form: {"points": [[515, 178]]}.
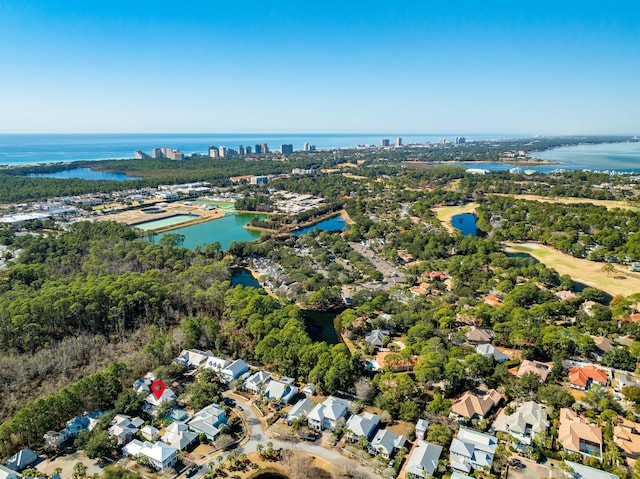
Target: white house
{"points": [[421, 428], [300, 409], [387, 443], [179, 436], [168, 397], [150, 433], [215, 363], [208, 421], [159, 454], [280, 390], [423, 460], [257, 381], [362, 426], [124, 427], [6, 473], [472, 450], [234, 370], [325, 415], [524, 423], [490, 351], [192, 358]]}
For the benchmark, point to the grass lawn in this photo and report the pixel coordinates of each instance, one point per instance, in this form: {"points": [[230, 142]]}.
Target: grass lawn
{"points": [[609, 204], [445, 213], [590, 273]]}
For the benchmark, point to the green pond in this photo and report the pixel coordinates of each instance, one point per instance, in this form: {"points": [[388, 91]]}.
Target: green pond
{"points": [[223, 230]]}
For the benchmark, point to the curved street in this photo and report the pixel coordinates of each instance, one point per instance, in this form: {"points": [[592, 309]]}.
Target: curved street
{"points": [[258, 436]]}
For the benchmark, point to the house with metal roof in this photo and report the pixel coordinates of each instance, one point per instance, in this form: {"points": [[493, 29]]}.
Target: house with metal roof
{"points": [[472, 450], [387, 443], [300, 409], [208, 421], [159, 454], [362, 426], [326, 414], [528, 420], [423, 460]]}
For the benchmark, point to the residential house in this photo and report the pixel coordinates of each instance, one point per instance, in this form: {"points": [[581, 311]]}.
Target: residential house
{"points": [[160, 455], [524, 423], [624, 380], [234, 370], [362, 426], [309, 389], [208, 421], [257, 382], [585, 472], [577, 435], [583, 377], [142, 386], [77, 424], [21, 460], [387, 443], [602, 345], [457, 475], [423, 460], [282, 390], [178, 435], [150, 433], [177, 414], [151, 403], [472, 450], [490, 351], [6, 473], [326, 414], [192, 358], [476, 404], [300, 409], [536, 367], [626, 435], [421, 428], [56, 439], [124, 427], [479, 336], [393, 361], [377, 338], [215, 363]]}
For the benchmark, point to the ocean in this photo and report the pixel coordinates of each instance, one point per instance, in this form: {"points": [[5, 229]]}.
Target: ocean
{"points": [[28, 149]]}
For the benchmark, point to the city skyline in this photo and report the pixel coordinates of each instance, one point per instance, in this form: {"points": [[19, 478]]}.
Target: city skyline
{"points": [[158, 67]]}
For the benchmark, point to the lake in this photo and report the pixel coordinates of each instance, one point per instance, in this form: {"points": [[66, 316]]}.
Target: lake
{"points": [[85, 174], [223, 230], [466, 223], [320, 327], [335, 223], [243, 277]]}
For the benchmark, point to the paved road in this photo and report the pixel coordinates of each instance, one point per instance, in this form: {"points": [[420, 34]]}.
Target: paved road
{"points": [[258, 436]]}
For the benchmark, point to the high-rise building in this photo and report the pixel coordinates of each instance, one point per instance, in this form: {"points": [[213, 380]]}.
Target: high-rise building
{"points": [[312, 147], [306, 146], [460, 140], [258, 149], [213, 151], [169, 153], [286, 149], [398, 142], [384, 142], [265, 148], [222, 151], [247, 150], [241, 150]]}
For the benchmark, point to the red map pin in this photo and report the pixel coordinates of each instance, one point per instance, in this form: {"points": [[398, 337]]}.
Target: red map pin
{"points": [[157, 388]]}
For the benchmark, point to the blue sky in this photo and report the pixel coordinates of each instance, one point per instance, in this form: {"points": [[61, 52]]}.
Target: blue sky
{"points": [[541, 67]]}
